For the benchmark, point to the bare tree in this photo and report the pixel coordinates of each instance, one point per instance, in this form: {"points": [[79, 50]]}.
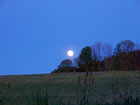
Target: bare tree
{"points": [[107, 50], [97, 53], [107, 53], [102, 51], [137, 46], [96, 50]]}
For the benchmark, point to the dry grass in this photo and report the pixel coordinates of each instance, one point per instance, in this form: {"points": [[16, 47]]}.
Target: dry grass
{"points": [[15, 89]]}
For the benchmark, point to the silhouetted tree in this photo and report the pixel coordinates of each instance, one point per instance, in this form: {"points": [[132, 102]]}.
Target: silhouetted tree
{"points": [[97, 55], [107, 53], [65, 63], [85, 59], [85, 56], [124, 47], [137, 46], [97, 50]]}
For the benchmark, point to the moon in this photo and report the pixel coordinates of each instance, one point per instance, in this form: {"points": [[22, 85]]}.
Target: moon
{"points": [[70, 53]]}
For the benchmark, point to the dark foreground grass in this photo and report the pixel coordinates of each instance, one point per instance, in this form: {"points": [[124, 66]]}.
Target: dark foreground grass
{"points": [[23, 90]]}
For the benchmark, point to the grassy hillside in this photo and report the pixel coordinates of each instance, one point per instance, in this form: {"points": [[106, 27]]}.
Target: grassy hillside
{"points": [[15, 90]]}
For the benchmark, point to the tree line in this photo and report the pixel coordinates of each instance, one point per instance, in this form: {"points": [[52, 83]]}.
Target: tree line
{"points": [[102, 57]]}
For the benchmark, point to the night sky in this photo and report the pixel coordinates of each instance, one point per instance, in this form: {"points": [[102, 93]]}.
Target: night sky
{"points": [[36, 34]]}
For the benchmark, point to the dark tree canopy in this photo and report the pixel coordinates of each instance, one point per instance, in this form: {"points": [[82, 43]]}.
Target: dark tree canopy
{"points": [[124, 47], [85, 56], [99, 57], [65, 63]]}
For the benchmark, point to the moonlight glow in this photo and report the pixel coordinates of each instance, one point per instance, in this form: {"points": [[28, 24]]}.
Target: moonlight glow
{"points": [[70, 53]]}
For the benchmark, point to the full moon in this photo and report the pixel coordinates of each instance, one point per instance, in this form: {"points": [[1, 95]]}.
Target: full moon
{"points": [[70, 53]]}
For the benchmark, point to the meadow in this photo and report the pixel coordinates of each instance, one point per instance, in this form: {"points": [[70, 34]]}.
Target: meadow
{"points": [[20, 89]]}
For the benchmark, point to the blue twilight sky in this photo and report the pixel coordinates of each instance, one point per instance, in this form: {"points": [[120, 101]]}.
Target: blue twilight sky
{"points": [[36, 34]]}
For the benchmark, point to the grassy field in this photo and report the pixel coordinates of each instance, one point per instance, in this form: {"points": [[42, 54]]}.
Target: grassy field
{"points": [[18, 90]]}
